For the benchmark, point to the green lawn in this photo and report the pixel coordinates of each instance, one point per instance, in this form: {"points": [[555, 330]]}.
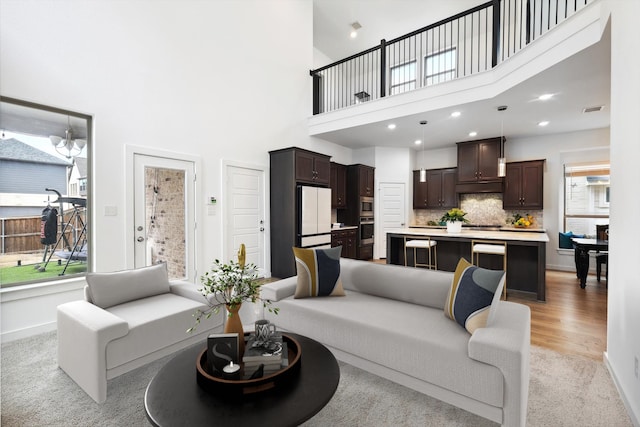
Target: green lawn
{"points": [[28, 273]]}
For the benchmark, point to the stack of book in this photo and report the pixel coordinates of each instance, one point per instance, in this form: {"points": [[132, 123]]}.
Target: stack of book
{"points": [[269, 354]]}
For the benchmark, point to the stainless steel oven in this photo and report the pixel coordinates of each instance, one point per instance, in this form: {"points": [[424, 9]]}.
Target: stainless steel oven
{"points": [[366, 231], [366, 207]]}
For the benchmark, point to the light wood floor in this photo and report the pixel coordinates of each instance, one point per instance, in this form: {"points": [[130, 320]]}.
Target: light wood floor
{"points": [[572, 320]]}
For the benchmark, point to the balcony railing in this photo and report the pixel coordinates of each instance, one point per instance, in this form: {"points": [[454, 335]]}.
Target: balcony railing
{"points": [[467, 43]]}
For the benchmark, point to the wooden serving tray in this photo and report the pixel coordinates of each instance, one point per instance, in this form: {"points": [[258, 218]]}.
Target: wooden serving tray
{"points": [[238, 388]]}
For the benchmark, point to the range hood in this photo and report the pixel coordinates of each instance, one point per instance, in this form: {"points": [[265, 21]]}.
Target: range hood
{"points": [[479, 187]]}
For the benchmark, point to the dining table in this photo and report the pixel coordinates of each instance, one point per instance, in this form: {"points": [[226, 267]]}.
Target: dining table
{"points": [[582, 247]]}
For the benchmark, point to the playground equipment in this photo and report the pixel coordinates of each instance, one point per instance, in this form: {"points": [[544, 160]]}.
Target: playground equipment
{"points": [[70, 249]]}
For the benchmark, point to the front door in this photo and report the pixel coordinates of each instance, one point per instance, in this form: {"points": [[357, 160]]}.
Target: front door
{"points": [[164, 214]]}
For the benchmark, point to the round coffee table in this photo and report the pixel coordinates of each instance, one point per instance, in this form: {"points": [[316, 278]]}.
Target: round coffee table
{"points": [[173, 396]]}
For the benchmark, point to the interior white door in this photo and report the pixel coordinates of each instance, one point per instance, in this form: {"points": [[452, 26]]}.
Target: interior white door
{"points": [[164, 214], [245, 214], [392, 214]]}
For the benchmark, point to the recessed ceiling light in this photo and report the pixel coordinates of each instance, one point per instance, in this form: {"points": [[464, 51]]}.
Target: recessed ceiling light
{"points": [[545, 96], [543, 123], [473, 133], [455, 114], [354, 29], [391, 126], [417, 142]]}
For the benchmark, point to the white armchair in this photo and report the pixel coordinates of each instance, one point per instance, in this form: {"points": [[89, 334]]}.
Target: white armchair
{"points": [[128, 319]]}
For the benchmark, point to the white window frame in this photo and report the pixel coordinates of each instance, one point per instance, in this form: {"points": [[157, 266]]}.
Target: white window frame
{"points": [[61, 280], [405, 85], [440, 69], [583, 170]]}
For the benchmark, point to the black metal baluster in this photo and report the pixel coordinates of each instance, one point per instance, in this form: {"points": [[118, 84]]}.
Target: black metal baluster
{"points": [[383, 65]]}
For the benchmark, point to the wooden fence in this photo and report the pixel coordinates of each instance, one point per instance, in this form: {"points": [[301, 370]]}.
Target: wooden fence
{"points": [[22, 234]]}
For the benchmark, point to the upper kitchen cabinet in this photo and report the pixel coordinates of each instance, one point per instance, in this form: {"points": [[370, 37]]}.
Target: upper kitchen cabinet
{"points": [[439, 191], [312, 167], [478, 164], [441, 188], [365, 179], [524, 185], [338, 184]]}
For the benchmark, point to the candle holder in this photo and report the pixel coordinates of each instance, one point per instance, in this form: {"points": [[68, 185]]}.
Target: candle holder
{"points": [[235, 387], [231, 371]]}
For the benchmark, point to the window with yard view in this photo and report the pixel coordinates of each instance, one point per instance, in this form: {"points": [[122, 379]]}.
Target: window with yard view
{"points": [[586, 195], [43, 200]]}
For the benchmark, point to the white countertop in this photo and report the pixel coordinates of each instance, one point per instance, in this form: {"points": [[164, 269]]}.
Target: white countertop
{"points": [[505, 234], [344, 227]]}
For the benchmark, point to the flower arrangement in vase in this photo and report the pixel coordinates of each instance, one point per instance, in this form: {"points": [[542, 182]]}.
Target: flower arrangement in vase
{"points": [[229, 285], [454, 219]]}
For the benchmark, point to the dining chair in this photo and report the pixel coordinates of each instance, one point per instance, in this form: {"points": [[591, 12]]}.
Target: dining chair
{"points": [[602, 233]]}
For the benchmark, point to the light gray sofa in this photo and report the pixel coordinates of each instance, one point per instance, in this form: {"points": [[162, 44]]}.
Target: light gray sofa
{"points": [[128, 319], [392, 323]]}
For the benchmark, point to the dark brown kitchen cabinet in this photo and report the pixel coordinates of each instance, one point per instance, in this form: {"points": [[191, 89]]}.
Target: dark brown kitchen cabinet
{"points": [[478, 160], [441, 188], [524, 185], [312, 167], [338, 183], [438, 192], [288, 168], [365, 180], [348, 239], [419, 192]]}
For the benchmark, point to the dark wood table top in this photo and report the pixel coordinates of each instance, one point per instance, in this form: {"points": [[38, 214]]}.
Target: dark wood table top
{"points": [[591, 244], [174, 398]]}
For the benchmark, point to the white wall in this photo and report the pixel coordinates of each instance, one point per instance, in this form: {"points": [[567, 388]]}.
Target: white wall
{"points": [[623, 338], [437, 159], [216, 80]]}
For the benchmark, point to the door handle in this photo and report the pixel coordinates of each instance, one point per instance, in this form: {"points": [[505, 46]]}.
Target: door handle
{"points": [[140, 239], [261, 228]]}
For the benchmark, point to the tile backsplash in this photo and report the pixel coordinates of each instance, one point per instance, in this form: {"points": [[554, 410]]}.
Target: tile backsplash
{"points": [[481, 208]]}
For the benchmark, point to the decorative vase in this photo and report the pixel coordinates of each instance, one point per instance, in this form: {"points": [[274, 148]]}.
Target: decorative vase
{"points": [[233, 324], [454, 226]]}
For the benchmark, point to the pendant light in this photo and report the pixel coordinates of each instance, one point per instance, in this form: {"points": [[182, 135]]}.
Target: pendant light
{"points": [[423, 172], [502, 160], [68, 146]]}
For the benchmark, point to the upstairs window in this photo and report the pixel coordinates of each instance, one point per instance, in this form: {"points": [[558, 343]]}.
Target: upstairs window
{"points": [[403, 78], [440, 67]]}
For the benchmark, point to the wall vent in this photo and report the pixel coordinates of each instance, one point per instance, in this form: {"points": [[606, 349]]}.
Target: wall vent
{"points": [[593, 109]]}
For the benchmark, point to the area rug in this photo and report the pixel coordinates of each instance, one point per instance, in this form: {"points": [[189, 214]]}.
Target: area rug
{"points": [[564, 391]]}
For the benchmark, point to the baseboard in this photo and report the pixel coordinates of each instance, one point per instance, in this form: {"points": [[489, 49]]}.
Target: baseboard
{"points": [[27, 332], [635, 418]]}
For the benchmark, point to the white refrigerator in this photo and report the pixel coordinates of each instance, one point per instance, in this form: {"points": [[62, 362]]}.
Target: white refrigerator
{"points": [[314, 217]]}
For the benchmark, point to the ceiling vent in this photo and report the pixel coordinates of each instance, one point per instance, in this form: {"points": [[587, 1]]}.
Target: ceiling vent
{"points": [[593, 109]]}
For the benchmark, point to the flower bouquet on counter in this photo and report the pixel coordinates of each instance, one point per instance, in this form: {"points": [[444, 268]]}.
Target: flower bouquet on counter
{"points": [[520, 221], [454, 215], [454, 219]]}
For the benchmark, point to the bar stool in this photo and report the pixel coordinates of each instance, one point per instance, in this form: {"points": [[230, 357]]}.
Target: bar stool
{"points": [[422, 243], [490, 247]]}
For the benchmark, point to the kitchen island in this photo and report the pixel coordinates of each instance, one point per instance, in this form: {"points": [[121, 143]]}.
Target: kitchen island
{"points": [[526, 253]]}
